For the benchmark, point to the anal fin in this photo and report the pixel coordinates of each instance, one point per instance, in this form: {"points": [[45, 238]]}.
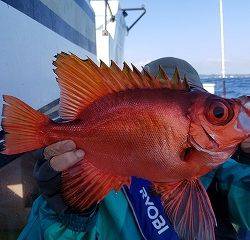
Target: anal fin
{"points": [[188, 207], [84, 185]]}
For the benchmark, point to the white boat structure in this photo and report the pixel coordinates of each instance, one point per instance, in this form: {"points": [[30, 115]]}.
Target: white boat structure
{"points": [[32, 32], [210, 87]]}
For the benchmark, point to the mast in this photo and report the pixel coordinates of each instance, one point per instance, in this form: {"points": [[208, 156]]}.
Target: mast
{"points": [[223, 75]]}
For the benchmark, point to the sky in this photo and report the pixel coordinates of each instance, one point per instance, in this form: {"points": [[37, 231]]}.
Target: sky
{"points": [[190, 29]]}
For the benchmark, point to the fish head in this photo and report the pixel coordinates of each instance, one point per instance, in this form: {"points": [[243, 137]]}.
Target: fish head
{"points": [[218, 124]]}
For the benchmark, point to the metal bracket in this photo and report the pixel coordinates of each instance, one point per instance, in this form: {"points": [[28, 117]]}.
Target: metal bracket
{"points": [[125, 14]]}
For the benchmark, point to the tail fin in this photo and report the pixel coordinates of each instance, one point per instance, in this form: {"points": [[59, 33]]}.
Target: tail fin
{"points": [[23, 126]]}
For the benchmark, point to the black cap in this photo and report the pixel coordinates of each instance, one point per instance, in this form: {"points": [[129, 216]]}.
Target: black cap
{"points": [[169, 64]]}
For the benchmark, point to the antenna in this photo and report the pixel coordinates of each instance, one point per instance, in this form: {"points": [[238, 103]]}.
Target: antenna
{"points": [[223, 75]]}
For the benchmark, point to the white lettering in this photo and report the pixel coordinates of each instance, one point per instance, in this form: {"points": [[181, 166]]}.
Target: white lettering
{"points": [[156, 213], [163, 229], [158, 222], [144, 193], [147, 203]]}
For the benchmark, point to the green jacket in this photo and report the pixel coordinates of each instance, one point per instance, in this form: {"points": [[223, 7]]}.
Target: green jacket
{"points": [[114, 218]]}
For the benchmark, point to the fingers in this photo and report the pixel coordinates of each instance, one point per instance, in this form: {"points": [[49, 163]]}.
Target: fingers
{"points": [[59, 148], [66, 160], [63, 155]]}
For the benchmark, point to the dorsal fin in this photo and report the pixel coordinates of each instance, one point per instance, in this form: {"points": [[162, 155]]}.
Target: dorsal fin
{"points": [[176, 79], [82, 82], [139, 77], [185, 83], [164, 77]]}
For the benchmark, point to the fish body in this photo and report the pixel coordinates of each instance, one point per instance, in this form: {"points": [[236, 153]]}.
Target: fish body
{"points": [[133, 124], [139, 132]]}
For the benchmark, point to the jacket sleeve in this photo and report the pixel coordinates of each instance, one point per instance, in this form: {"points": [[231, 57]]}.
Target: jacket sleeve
{"points": [[49, 182], [44, 223], [241, 156], [233, 181]]}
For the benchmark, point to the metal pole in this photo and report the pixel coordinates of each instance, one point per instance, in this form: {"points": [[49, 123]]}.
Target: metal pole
{"points": [[223, 75], [105, 12]]}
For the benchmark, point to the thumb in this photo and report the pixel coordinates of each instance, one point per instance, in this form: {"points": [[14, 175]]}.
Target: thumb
{"points": [[66, 160]]}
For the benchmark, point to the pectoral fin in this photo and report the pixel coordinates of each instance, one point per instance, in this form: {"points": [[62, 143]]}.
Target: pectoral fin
{"points": [[189, 209]]}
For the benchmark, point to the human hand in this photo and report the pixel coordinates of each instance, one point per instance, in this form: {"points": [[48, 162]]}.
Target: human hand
{"points": [[245, 145], [63, 155]]}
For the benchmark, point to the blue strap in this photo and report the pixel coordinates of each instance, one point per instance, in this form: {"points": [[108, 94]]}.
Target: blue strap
{"points": [[148, 211]]}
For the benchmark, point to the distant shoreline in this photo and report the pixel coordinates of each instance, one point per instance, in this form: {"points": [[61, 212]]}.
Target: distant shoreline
{"points": [[205, 76]]}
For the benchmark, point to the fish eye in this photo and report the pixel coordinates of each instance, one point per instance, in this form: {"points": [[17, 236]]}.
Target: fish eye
{"points": [[219, 112]]}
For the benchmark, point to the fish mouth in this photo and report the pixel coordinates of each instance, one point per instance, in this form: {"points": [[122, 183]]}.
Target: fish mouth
{"points": [[244, 115], [198, 147]]}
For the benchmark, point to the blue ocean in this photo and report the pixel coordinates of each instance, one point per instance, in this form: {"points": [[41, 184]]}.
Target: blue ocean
{"points": [[235, 87]]}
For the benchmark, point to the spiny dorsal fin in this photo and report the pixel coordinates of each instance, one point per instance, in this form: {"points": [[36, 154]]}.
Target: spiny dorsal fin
{"points": [[185, 83], [82, 82], [110, 77], [139, 77], [164, 77], [176, 79], [149, 78]]}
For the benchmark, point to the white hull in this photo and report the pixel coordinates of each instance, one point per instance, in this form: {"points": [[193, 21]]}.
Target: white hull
{"points": [[27, 49]]}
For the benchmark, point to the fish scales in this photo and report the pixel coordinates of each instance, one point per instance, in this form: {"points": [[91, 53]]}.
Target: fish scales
{"points": [[128, 132], [134, 124]]}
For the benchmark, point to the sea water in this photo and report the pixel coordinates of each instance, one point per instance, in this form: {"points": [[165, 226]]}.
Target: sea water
{"points": [[235, 87]]}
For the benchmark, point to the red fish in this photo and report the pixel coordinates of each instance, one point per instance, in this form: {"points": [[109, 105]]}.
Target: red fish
{"points": [[133, 124]]}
